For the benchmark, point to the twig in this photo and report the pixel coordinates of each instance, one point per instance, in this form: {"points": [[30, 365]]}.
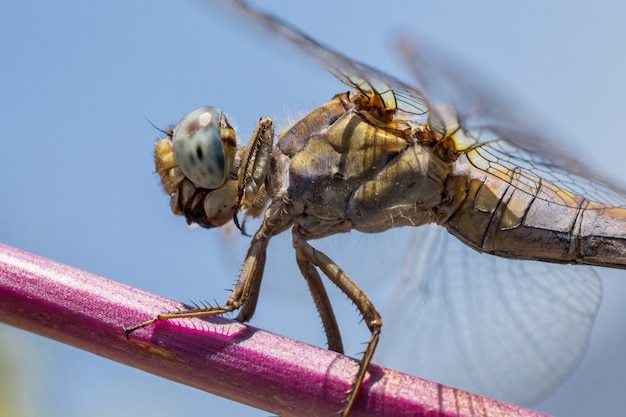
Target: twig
{"points": [[220, 356]]}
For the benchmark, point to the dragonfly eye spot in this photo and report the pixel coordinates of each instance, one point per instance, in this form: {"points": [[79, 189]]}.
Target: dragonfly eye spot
{"points": [[199, 148]]}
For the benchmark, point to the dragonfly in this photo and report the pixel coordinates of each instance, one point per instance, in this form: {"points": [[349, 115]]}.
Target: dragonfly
{"points": [[438, 155]]}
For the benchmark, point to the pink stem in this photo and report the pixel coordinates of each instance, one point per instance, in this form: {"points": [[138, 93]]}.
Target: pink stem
{"points": [[216, 355]]}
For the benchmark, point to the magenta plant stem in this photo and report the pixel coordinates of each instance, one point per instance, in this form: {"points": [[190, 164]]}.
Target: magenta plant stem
{"points": [[216, 355]]}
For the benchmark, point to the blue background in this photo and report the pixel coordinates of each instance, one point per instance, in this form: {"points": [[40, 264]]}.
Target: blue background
{"points": [[78, 80]]}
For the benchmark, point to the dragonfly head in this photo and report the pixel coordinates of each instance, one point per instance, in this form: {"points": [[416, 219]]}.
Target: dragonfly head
{"points": [[195, 163]]}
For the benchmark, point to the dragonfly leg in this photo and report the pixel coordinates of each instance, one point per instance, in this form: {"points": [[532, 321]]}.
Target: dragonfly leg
{"points": [[252, 194], [322, 303], [249, 307], [309, 256], [249, 281]]}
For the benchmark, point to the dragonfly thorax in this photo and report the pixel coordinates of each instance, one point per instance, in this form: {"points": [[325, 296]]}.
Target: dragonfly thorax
{"points": [[350, 174]]}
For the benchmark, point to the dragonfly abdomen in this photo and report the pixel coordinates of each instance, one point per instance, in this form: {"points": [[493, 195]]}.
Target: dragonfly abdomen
{"points": [[517, 215]]}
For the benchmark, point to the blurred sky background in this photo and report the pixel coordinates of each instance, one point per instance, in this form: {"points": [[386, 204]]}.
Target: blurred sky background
{"points": [[79, 80]]}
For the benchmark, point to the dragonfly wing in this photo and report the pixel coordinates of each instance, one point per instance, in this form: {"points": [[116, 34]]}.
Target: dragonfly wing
{"points": [[396, 95], [499, 157], [507, 329], [493, 135]]}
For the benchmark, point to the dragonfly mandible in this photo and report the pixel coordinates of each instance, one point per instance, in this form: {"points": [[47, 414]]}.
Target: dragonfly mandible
{"points": [[388, 154]]}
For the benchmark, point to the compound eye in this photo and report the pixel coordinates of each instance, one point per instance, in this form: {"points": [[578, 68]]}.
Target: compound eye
{"points": [[199, 148]]}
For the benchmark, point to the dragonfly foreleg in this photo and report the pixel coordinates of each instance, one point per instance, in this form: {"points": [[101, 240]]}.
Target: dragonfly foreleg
{"points": [[308, 255], [252, 192]]}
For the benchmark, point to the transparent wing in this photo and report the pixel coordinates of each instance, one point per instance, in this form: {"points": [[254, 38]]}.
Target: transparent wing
{"points": [[507, 329], [495, 138], [396, 95], [499, 157]]}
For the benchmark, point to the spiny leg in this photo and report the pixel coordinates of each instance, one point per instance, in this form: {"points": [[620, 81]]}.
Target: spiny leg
{"points": [[252, 177], [322, 303], [309, 255], [249, 280], [248, 308]]}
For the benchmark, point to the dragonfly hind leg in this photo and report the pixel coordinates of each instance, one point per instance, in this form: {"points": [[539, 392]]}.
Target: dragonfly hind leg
{"points": [[322, 303], [308, 258]]}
